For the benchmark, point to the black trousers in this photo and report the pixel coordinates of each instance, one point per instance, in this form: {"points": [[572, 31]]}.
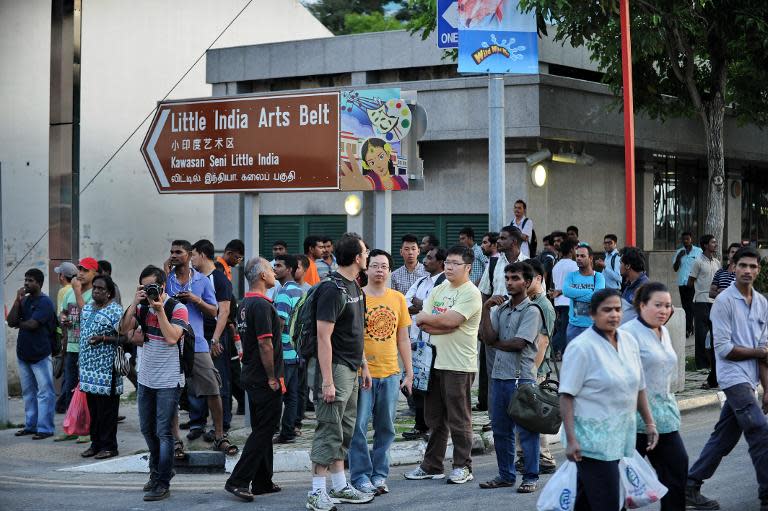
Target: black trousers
{"points": [[670, 460], [254, 468], [482, 380], [418, 406], [686, 300], [103, 410], [702, 326], [301, 404], [597, 485]]}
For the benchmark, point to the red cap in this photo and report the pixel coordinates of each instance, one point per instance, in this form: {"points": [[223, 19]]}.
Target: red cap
{"points": [[89, 263]]}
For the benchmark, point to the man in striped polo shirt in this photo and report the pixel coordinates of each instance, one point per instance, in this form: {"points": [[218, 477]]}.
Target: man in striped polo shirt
{"points": [[160, 377]]}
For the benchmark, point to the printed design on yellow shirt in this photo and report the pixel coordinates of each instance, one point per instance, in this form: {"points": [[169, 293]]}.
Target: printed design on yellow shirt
{"points": [[380, 323], [443, 304]]}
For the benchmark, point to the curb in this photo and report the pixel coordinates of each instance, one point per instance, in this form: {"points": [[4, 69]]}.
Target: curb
{"points": [[692, 404]]}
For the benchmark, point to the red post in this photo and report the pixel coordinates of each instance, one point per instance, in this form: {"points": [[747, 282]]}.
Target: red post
{"points": [[629, 126]]}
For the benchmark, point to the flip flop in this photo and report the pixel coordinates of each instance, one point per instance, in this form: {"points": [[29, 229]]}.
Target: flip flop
{"points": [[272, 489], [224, 445], [85, 439], [24, 432], [241, 493], [178, 450], [64, 438]]}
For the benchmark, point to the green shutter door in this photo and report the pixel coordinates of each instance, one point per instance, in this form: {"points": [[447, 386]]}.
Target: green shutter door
{"points": [[294, 228], [445, 227]]}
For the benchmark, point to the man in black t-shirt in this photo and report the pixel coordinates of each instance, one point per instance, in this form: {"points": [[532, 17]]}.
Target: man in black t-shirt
{"points": [[260, 328], [333, 375]]}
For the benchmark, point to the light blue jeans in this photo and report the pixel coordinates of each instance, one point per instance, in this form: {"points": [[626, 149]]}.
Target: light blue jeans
{"points": [[380, 404], [39, 396]]}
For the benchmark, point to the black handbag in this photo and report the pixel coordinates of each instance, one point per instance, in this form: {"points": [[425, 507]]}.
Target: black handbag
{"points": [[537, 407]]}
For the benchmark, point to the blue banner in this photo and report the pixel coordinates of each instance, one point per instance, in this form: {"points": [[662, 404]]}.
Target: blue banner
{"points": [[495, 37]]}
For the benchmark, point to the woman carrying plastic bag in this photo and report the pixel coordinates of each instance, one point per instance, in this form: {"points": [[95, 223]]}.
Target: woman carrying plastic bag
{"points": [[639, 483], [560, 492], [77, 421]]}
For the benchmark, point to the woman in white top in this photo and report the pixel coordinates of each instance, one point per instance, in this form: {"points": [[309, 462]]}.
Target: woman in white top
{"points": [[653, 304], [602, 387]]}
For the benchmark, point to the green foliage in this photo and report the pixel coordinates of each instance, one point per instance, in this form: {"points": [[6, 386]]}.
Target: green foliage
{"points": [[375, 22], [332, 13], [761, 282]]}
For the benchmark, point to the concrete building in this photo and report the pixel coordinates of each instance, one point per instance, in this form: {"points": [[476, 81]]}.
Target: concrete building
{"points": [[132, 54], [564, 108]]}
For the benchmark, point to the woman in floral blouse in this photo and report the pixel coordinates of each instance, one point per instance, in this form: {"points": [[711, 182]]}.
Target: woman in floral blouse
{"points": [[653, 304], [100, 319], [601, 389]]}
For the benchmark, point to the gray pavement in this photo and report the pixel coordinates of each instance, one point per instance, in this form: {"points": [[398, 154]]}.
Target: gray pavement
{"points": [[28, 483]]}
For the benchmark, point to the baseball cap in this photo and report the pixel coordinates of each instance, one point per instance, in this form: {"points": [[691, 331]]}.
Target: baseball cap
{"points": [[89, 263], [67, 269]]}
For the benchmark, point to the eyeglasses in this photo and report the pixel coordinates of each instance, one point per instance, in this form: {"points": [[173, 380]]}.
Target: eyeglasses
{"points": [[454, 263], [376, 266]]}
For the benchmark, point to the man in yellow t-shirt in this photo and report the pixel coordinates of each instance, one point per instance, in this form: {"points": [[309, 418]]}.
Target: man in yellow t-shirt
{"points": [[451, 315], [386, 334]]}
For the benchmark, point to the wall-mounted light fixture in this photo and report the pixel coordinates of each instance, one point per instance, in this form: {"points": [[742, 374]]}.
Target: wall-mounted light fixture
{"points": [[538, 157], [352, 205], [539, 175]]}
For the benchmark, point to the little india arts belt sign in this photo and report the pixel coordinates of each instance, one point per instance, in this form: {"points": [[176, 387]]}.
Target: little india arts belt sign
{"points": [[276, 143]]}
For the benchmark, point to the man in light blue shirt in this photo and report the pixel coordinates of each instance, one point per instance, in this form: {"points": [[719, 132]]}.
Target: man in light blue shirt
{"points": [[682, 262], [740, 324], [579, 286], [611, 266]]}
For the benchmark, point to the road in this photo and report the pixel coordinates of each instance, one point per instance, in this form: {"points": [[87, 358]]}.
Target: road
{"points": [[37, 486]]}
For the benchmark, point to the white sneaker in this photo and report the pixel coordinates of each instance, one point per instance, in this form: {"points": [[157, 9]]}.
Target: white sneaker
{"points": [[319, 501], [418, 473], [366, 487], [350, 495], [381, 486], [460, 475]]}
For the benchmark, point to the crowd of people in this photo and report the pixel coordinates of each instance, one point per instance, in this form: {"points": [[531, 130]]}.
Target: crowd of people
{"points": [[340, 325]]}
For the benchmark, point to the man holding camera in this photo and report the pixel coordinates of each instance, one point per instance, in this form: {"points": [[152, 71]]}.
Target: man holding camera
{"points": [[386, 334], [160, 377]]}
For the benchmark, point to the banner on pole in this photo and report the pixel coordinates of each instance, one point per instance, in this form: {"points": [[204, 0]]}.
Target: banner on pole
{"points": [[495, 37]]}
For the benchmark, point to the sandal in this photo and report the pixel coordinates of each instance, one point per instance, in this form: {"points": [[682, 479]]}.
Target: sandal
{"points": [[178, 450], [209, 436], [224, 445], [496, 482], [194, 434], [241, 493], [527, 487], [24, 432], [272, 489]]}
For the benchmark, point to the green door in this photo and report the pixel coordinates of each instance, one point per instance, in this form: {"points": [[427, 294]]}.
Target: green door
{"points": [[294, 228], [445, 227]]}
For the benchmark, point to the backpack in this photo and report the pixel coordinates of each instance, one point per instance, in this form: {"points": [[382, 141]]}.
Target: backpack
{"points": [[533, 242], [187, 343], [303, 328]]}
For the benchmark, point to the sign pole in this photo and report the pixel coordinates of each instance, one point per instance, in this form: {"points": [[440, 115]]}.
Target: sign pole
{"points": [[629, 125], [3, 343], [496, 184]]}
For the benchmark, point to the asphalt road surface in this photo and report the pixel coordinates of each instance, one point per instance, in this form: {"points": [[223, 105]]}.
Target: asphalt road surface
{"points": [[37, 486]]}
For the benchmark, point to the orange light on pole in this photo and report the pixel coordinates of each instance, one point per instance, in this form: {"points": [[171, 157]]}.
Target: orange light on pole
{"points": [[629, 125]]}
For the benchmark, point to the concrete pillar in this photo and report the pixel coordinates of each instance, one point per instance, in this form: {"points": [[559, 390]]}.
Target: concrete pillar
{"points": [[382, 229], [676, 327], [646, 221], [251, 225], [358, 78], [518, 186], [733, 214]]}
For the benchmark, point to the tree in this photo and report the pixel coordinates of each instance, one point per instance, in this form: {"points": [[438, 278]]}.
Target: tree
{"points": [[355, 16], [375, 22], [692, 58]]}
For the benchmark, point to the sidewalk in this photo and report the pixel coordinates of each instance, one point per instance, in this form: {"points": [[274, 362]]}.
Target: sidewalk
{"points": [[288, 457]]}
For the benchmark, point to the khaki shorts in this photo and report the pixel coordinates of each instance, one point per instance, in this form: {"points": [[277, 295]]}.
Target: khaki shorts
{"points": [[205, 379], [336, 420]]}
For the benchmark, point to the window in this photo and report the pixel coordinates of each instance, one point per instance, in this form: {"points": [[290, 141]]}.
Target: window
{"points": [[677, 197], [754, 219]]}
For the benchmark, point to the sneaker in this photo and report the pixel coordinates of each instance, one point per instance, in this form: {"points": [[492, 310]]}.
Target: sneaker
{"points": [[460, 475], [381, 486], [366, 487], [319, 501], [350, 495], [157, 493], [149, 485], [417, 473], [414, 434], [695, 500]]}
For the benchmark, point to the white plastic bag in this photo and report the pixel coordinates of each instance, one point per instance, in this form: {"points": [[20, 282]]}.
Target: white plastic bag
{"points": [[560, 492], [639, 484]]}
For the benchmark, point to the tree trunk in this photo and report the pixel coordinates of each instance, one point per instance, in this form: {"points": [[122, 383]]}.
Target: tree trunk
{"points": [[714, 118]]}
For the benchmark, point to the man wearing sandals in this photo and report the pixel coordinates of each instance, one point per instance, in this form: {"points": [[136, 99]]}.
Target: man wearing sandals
{"points": [[260, 332], [160, 377], [512, 329]]}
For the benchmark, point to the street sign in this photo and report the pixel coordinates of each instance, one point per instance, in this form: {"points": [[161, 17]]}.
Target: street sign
{"points": [[447, 24], [275, 143]]}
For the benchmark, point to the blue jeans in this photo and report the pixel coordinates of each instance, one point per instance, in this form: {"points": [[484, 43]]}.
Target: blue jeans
{"points": [[71, 377], [157, 407], [39, 396], [741, 413], [572, 332], [504, 434], [290, 401], [380, 403]]}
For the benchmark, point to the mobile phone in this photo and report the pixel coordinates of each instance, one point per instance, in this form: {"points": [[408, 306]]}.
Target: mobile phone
{"points": [[405, 392]]}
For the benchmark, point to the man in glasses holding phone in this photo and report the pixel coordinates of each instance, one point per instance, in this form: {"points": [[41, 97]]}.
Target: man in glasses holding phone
{"points": [[386, 334]]}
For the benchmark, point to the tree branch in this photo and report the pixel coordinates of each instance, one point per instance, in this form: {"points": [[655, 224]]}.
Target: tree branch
{"points": [[690, 67]]}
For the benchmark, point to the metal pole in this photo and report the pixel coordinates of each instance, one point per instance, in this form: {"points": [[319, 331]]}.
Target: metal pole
{"points": [[496, 185], [629, 125], [3, 343]]}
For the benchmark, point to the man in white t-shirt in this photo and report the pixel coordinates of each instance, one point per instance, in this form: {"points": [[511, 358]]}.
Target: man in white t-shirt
{"points": [[563, 267], [525, 224]]}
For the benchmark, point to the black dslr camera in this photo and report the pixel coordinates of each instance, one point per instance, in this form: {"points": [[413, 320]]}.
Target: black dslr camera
{"points": [[153, 291]]}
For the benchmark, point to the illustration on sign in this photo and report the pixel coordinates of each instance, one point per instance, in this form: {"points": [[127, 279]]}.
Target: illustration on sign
{"points": [[495, 37], [373, 122], [231, 145]]}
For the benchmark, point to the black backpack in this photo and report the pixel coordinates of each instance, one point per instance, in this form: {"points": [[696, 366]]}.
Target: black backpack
{"points": [[304, 318], [187, 343], [533, 242]]}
